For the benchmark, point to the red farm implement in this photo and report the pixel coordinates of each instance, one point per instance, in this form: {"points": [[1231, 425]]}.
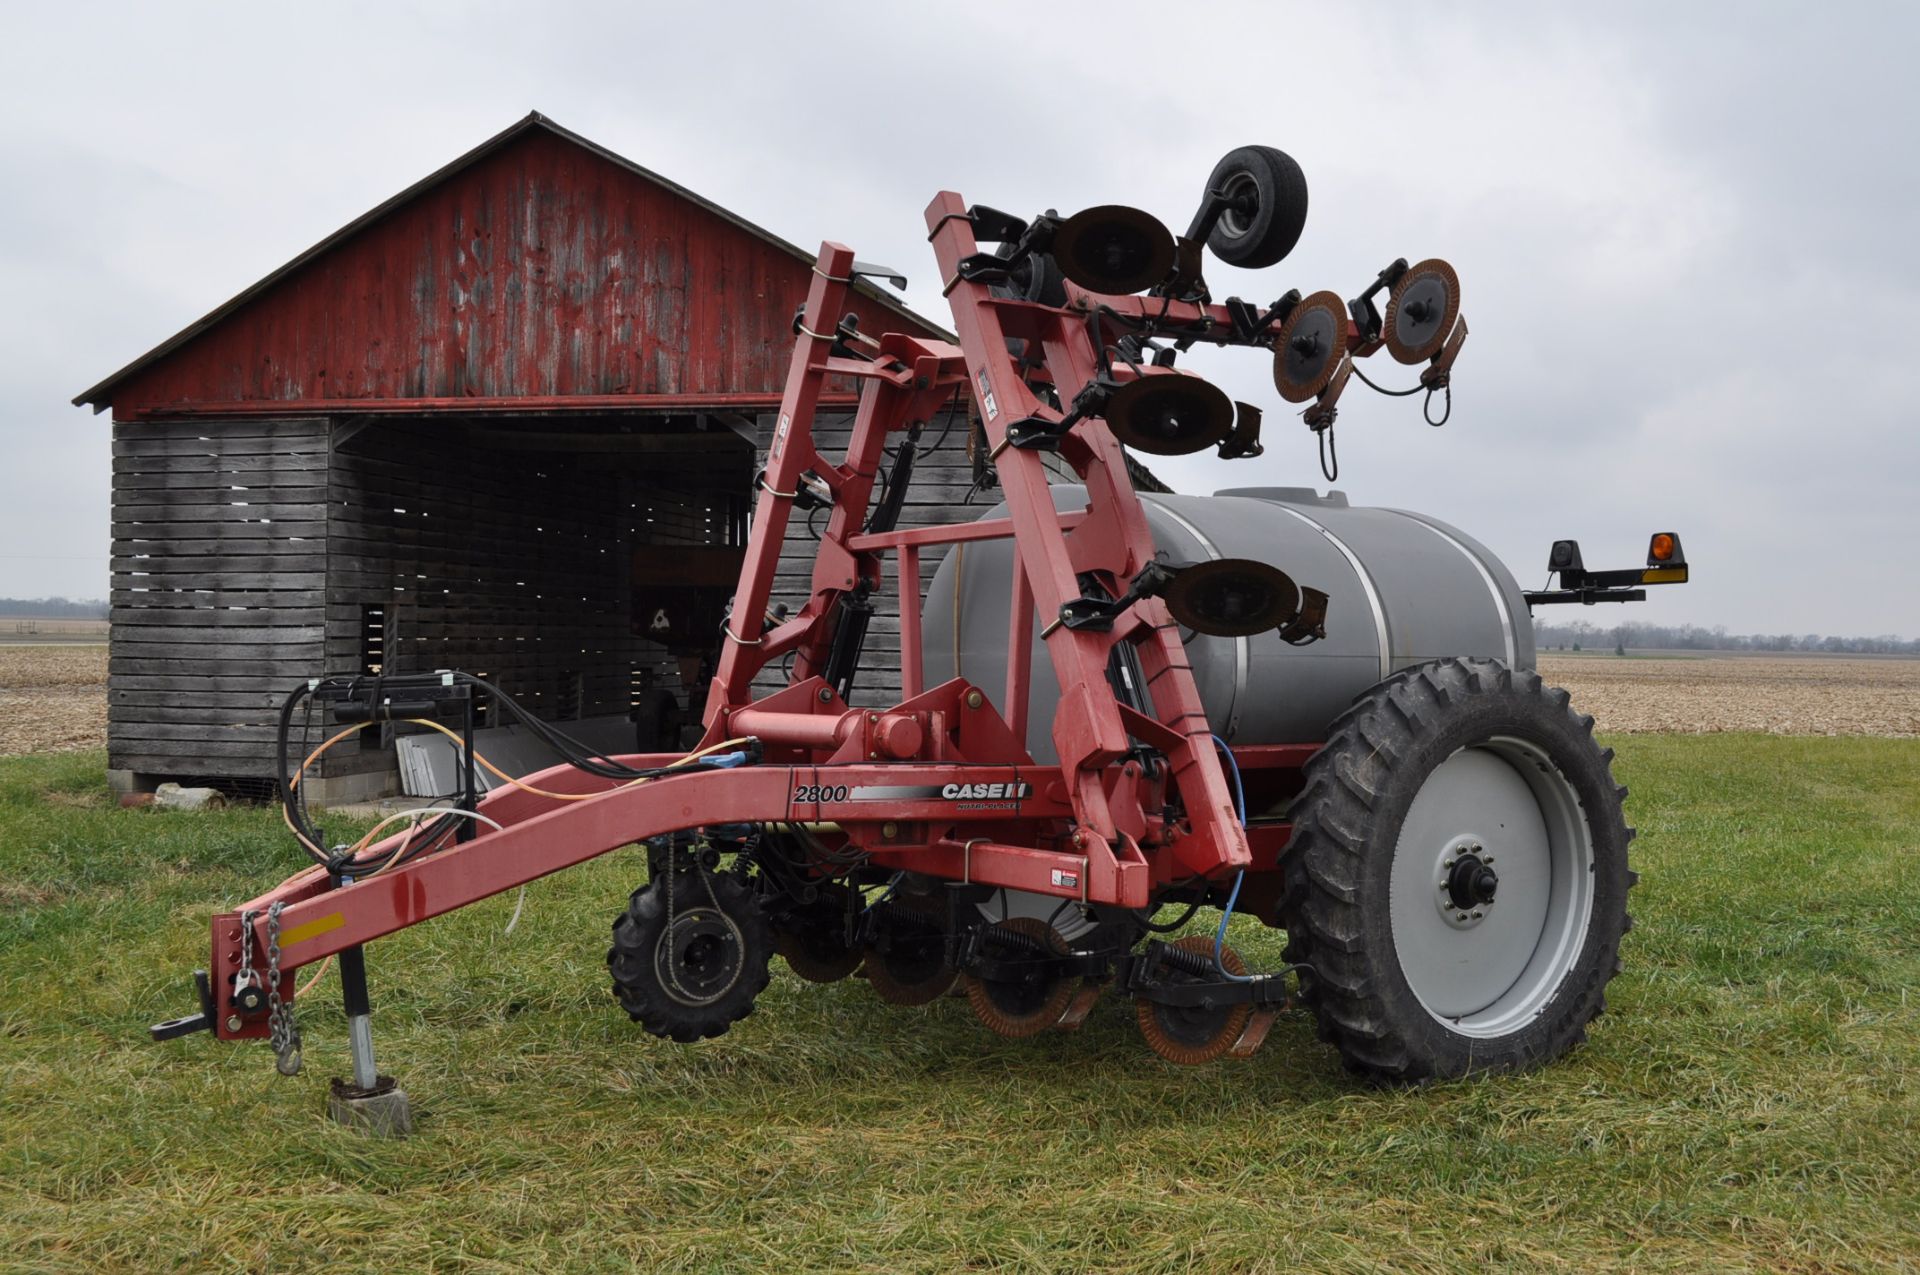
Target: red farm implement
{"points": [[1435, 830]]}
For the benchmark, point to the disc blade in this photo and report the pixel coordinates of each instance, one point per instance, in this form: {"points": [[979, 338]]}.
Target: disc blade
{"points": [[910, 966], [817, 962], [1232, 597], [1193, 1034], [909, 982], [1026, 1008], [1309, 346], [1421, 311], [1113, 249], [1169, 413]]}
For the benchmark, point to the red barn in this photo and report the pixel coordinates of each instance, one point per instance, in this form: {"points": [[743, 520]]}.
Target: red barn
{"points": [[457, 433]]}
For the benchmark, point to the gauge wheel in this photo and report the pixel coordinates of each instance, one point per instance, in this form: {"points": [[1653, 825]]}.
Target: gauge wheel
{"points": [[1457, 880], [1266, 206], [689, 964]]}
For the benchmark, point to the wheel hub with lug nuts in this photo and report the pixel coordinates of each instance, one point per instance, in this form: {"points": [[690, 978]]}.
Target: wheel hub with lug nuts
{"points": [[1468, 883]]}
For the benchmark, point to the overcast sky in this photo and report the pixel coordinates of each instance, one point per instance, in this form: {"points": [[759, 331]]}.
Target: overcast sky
{"points": [[1685, 233]]}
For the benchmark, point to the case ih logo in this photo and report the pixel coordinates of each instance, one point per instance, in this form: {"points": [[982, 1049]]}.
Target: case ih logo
{"points": [[986, 792]]}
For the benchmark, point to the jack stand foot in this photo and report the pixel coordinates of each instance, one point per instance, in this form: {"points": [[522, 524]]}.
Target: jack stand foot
{"points": [[381, 1111]]}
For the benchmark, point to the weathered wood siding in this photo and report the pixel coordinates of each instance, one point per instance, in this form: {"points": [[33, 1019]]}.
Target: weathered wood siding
{"points": [[219, 587], [249, 555]]}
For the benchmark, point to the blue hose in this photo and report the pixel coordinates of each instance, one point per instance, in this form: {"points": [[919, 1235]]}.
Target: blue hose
{"points": [[1233, 895]]}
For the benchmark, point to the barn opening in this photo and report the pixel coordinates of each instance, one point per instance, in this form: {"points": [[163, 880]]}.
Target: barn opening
{"points": [[580, 564]]}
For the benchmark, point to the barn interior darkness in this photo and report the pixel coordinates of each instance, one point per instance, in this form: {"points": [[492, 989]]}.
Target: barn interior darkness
{"points": [[520, 549]]}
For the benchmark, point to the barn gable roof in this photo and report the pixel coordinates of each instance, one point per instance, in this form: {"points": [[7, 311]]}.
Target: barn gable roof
{"points": [[100, 396]]}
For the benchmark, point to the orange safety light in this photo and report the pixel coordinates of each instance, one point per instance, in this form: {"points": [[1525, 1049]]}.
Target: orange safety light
{"points": [[1666, 560]]}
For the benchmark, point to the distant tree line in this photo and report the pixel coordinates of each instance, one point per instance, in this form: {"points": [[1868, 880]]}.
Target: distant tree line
{"points": [[53, 608], [1582, 635]]}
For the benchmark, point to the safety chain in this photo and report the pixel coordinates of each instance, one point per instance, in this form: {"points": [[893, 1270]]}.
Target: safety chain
{"points": [[706, 879], [673, 870], [245, 978], [285, 1033]]}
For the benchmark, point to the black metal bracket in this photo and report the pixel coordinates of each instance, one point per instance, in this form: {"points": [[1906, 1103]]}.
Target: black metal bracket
{"points": [[1310, 625], [985, 267], [1185, 283], [811, 492], [1366, 315], [1098, 614], [995, 226], [1244, 442], [1039, 434], [1018, 238], [845, 332], [1213, 205], [1143, 974], [874, 270], [1275, 316], [1159, 973], [186, 1025], [1584, 596], [389, 697]]}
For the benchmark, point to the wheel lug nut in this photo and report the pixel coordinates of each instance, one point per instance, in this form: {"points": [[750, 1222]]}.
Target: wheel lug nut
{"points": [[1461, 917], [1478, 915]]}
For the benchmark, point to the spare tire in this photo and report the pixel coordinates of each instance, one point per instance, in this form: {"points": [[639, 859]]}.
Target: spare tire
{"points": [[1267, 206]]}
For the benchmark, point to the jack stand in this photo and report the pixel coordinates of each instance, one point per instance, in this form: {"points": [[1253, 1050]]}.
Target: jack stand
{"points": [[371, 1102]]}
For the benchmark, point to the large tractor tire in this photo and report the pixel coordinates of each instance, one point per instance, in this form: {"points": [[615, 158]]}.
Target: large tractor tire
{"points": [[1457, 879]]}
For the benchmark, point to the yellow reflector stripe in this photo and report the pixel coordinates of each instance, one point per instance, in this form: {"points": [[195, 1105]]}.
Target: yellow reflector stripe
{"points": [[312, 929], [1664, 575]]}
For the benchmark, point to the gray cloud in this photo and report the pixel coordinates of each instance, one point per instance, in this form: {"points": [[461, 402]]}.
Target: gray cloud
{"points": [[1681, 229]]}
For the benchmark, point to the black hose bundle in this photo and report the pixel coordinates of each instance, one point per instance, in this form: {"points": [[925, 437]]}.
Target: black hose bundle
{"points": [[362, 687]]}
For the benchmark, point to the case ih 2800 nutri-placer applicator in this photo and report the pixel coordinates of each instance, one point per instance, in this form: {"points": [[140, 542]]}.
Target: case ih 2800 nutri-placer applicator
{"points": [[1365, 758]]}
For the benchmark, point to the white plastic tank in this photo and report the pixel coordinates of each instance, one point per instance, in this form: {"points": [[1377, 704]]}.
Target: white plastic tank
{"points": [[1402, 589]]}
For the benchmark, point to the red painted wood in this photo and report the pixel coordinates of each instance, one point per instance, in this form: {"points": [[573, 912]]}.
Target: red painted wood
{"points": [[494, 405], [543, 269]]}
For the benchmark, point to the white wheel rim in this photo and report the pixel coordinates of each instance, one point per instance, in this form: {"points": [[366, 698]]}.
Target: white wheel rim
{"points": [[1488, 970], [1239, 184]]}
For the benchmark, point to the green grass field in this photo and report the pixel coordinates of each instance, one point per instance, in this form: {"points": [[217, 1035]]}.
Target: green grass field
{"points": [[1750, 1101]]}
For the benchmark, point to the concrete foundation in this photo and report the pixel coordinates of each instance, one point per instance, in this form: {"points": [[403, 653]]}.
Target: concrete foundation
{"points": [[341, 790], [129, 781], [333, 790]]}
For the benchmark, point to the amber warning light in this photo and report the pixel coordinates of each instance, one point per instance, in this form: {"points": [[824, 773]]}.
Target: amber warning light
{"points": [[1666, 562]]}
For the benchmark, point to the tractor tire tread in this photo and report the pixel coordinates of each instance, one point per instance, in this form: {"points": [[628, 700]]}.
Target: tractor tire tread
{"points": [[1324, 905], [636, 933]]}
